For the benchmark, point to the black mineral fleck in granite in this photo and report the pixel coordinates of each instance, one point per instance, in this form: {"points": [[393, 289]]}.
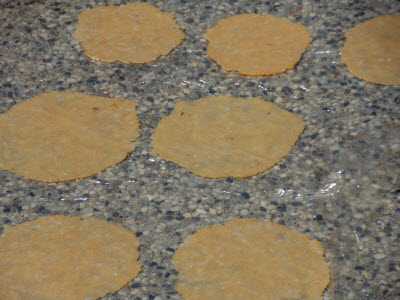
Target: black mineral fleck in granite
{"points": [[245, 195], [339, 184]]}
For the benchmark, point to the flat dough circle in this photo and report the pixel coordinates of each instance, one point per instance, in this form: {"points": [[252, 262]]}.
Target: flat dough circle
{"points": [[63, 136], [59, 257], [257, 45], [372, 50], [249, 259], [135, 33], [226, 137]]}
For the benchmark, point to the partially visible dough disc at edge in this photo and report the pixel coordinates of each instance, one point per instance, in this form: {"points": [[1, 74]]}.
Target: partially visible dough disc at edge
{"points": [[372, 50], [135, 33], [59, 257], [250, 260], [62, 136], [226, 137], [257, 45]]}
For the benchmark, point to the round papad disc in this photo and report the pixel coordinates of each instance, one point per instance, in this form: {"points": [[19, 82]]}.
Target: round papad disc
{"points": [[61, 257], [226, 137], [135, 33], [257, 45], [249, 259], [62, 136], [372, 50]]}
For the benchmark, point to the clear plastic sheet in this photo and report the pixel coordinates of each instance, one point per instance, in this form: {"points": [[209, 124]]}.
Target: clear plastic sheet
{"points": [[339, 184]]}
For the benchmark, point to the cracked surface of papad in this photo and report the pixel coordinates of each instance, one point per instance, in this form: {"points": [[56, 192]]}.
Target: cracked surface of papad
{"points": [[60, 257], [226, 137], [62, 136], [372, 50], [135, 33], [250, 259], [257, 45]]}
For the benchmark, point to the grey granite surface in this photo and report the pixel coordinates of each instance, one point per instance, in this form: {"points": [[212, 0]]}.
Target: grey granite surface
{"points": [[340, 183]]}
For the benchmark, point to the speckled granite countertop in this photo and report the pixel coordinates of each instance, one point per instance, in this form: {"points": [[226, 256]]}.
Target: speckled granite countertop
{"points": [[339, 184]]}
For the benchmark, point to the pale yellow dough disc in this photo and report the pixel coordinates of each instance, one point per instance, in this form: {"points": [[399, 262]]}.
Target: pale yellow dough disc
{"points": [[62, 136], [372, 50], [257, 45], [249, 259], [226, 137], [135, 33], [61, 257]]}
